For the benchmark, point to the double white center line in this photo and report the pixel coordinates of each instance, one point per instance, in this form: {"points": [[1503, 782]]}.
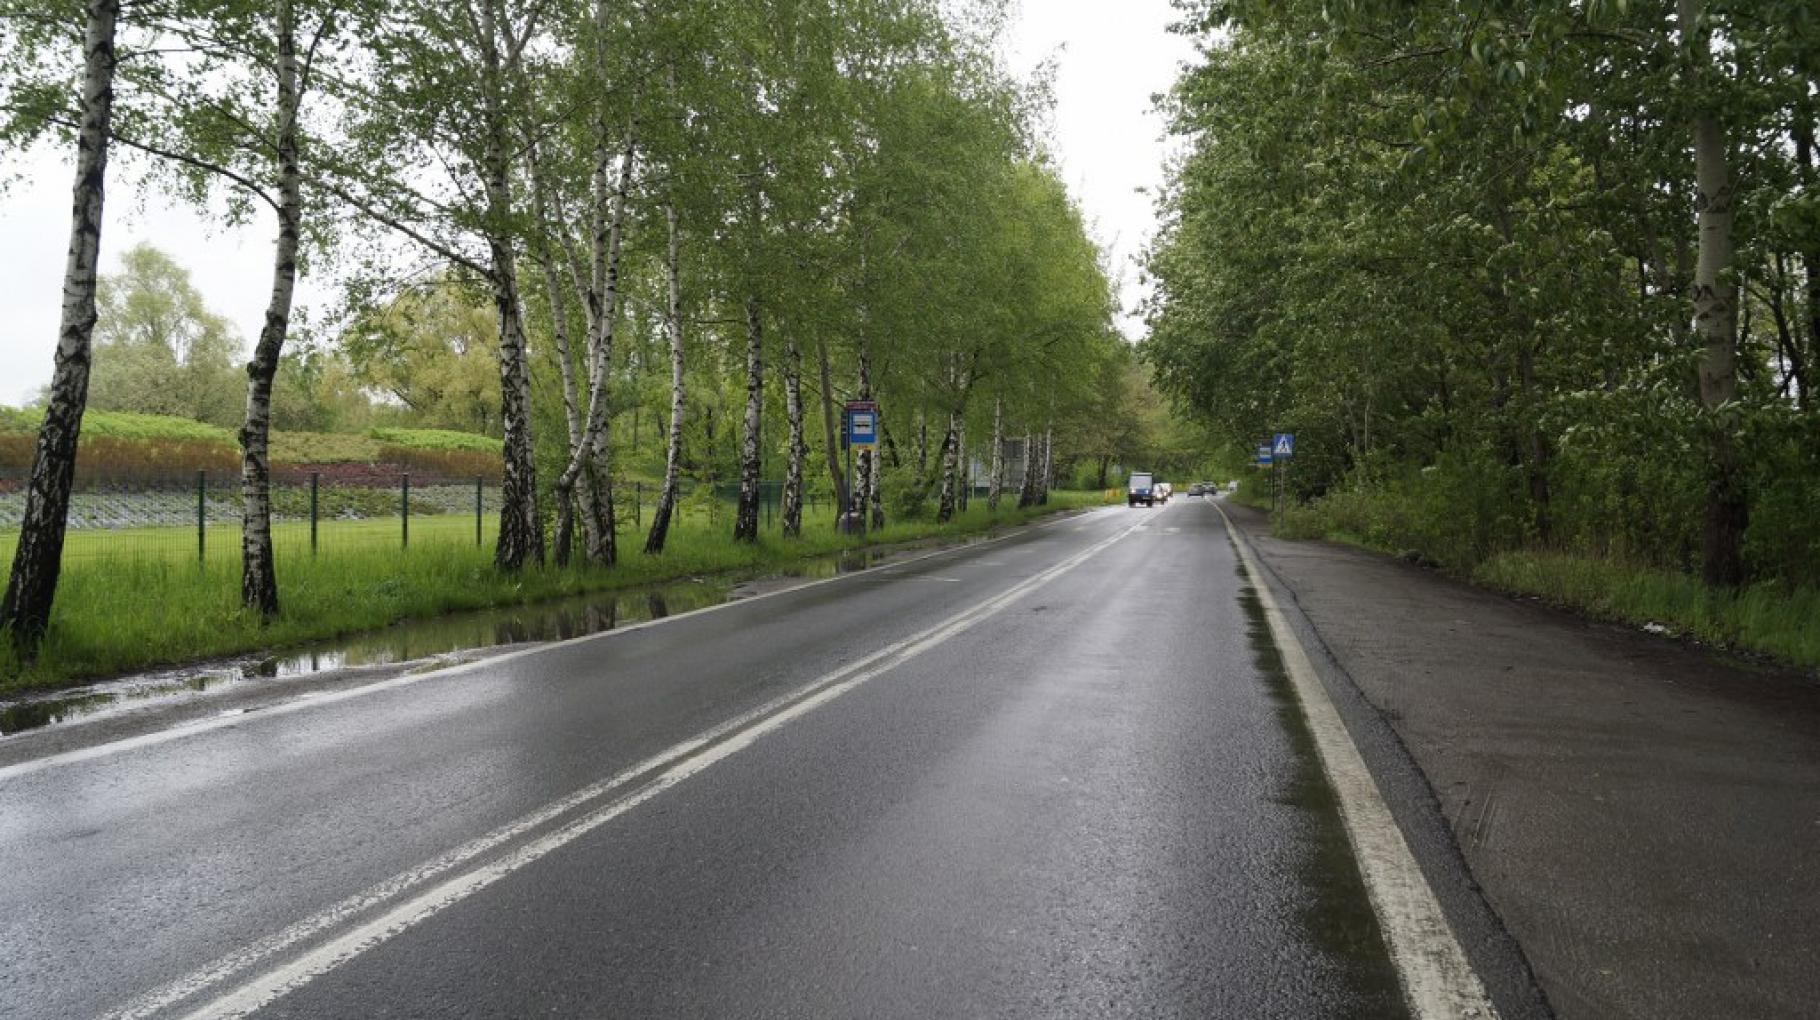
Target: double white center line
{"points": [[390, 908]]}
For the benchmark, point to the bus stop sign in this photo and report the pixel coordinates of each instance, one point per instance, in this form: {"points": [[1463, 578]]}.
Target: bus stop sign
{"points": [[861, 423]]}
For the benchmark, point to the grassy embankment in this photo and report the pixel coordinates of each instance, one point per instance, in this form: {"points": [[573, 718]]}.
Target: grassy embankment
{"points": [[1770, 618], [156, 606]]}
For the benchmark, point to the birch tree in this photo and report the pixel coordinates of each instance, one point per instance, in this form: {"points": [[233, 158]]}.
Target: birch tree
{"points": [[32, 586]]}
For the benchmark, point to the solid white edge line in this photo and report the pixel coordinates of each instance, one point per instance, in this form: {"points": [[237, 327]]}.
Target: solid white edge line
{"points": [[683, 760], [1438, 980], [316, 699]]}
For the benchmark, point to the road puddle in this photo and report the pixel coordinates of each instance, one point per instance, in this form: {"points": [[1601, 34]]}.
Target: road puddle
{"points": [[433, 643]]}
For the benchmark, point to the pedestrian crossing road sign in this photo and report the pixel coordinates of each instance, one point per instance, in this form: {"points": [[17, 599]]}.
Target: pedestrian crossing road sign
{"points": [[1284, 445]]}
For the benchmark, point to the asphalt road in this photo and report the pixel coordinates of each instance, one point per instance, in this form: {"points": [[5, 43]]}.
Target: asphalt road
{"points": [[1053, 775]]}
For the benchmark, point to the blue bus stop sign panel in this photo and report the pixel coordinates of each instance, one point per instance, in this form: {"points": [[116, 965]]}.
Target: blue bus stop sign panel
{"points": [[1264, 453], [1284, 446], [862, 427]]}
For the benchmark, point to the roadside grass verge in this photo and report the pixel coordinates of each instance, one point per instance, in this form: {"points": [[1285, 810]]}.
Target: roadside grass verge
{"points": [[1767, 618], [135, 611], [1771, 618]]}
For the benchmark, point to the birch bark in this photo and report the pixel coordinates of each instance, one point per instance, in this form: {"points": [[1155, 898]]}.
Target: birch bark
{"points": [[26, 609], [944, 509], [1715, 312], [745, 518], [791, 510], [666, 499], [565, 352], [521, 537], [258, 575], [589, 460], [1026, 494], [996, 484]]}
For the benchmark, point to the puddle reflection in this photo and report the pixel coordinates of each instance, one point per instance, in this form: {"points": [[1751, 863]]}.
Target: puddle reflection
{"points": [[435, 640]]}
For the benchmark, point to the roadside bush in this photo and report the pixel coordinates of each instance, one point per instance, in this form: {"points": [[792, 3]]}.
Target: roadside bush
{"points": [[1454, 512], [905, 498]]}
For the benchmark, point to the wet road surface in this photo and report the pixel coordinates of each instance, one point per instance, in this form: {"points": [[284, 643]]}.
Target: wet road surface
{"points": [[1052, 775]]}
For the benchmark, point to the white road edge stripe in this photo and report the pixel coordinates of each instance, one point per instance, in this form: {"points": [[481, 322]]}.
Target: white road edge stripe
{"points": [[1438, 980], [317, 699], [680, 762]]}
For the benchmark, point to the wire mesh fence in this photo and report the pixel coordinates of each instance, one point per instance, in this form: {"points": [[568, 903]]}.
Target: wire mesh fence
{"points": [[196, 515]]}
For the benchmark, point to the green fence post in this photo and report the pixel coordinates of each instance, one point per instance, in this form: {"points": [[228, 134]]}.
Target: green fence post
{"points": [[479, 492], [404, 507], [202, 495], [315, 484]]}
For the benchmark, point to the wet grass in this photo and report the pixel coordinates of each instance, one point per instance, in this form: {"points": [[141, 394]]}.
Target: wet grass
{"points": [[1771, 618], [1338, 919], [131, 612]]}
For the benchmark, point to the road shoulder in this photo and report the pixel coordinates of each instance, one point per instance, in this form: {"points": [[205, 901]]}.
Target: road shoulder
{"points": [[1637, 815]]}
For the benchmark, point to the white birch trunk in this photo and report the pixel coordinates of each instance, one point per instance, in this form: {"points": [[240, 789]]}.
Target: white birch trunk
{"points": [[745, 518], [791, 508], [520, 525], [565, 352], [589, 460], [1715, 313], [258, 575], [666, 500], [944, 508], [996, 483], [26, 610]]}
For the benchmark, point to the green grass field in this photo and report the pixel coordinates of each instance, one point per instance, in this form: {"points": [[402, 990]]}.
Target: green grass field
{"points": [[222, 541], [141, 598]]}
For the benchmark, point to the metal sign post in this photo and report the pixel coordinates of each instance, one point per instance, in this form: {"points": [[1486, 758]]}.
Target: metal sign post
{"points": [[859, 430], [1282, 450]]}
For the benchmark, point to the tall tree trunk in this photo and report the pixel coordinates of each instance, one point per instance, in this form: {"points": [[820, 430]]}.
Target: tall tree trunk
{"points": [[1047, 477], [830, 440], [745, 517], [565, 352], [521, 536], [590, 462], [32, 586], [1715, 312], [666, 499], [1026, 493], [944, 507], [791, 510], [869, 468], [964, 491], [258, 575], [996, 485], [1810, 256]]}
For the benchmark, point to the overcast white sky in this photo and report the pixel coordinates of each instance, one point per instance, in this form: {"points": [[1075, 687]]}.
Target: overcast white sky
{"points": [[1112, 57]]}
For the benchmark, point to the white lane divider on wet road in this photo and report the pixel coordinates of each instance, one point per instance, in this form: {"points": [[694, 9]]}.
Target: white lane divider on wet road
{"points": [[411, 897], [1438, 980], [318, 699]]}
